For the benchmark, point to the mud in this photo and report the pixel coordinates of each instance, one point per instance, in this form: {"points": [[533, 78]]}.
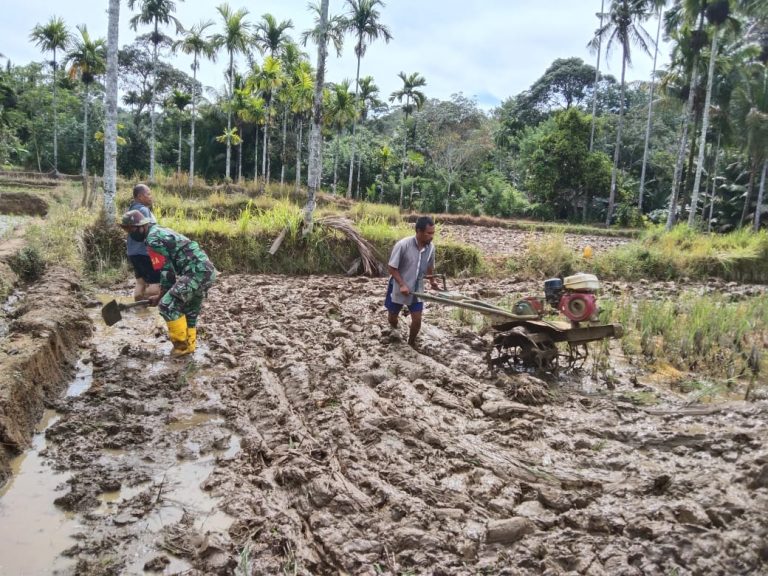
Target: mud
{"points": [[495, 241], [41, 334], [304, 438]]}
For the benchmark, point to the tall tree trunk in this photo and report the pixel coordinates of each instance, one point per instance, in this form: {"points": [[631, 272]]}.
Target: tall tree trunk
{"points": [[178, 160], [84, 163], [298, 154], [315, 136], [264, 150], [448, 197], [704, 128], [748, 198], [110, 115], [617, 148], [359, 169], [55, 121], [650, 118], [405, 152], [353, 143], [713, 195], [152, 119], [192, 127], [672, 214], [229, 115], [282, 152], [335, 162], [760, 196], [597, 79], [240, 162], [256, 156]]}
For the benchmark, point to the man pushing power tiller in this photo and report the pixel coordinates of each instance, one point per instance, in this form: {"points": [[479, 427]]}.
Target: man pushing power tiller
{"points": [[412, 260], [186, 275]]}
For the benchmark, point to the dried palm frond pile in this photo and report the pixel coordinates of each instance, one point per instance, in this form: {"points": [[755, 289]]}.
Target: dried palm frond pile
{"points": [[368, 260]]}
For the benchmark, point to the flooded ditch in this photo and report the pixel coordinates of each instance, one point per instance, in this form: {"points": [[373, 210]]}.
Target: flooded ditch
{"points": [[301, 438]]}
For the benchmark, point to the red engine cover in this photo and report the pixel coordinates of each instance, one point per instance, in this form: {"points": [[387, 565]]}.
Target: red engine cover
{"points": [[578, 306]]}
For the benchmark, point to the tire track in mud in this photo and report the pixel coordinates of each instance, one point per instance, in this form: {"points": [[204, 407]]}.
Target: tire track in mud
{"points": [[360, 455]]}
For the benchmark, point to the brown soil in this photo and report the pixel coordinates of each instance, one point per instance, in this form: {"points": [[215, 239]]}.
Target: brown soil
{"points": [[496, 241], [304, 438], [41, 343], [23, 204]]}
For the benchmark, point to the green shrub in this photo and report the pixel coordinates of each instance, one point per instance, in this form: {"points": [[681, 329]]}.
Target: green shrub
{"points": [[28, 264]]}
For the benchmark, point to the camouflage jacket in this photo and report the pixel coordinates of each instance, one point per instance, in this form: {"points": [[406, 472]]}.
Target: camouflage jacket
{"points": [[174, 255]]}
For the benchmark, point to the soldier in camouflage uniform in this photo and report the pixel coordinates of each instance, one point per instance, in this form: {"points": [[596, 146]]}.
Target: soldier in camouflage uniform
{"points": [[186, 274]]}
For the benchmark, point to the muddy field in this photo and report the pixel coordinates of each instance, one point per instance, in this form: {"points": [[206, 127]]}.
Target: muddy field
{"points": [[304, 438]]}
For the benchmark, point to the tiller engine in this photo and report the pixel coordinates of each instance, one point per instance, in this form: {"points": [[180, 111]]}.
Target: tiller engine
{"points": [[524, 339]]}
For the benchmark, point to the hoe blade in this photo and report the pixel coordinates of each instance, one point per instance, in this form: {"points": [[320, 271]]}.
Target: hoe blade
{"points": [[111, 313]]}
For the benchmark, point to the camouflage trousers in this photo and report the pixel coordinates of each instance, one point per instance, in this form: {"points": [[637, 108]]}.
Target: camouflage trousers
{"points": [[185, 298]]}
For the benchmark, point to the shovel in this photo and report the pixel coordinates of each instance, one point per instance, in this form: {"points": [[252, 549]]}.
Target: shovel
{"points": [[112, 310]]}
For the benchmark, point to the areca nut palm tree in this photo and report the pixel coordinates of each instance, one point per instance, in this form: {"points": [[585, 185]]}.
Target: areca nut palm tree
{"points": [[341, 111], [717, 14], [623, 27], [369, 99], [414, 100], [252, 111], [154, 13], [235, 39], [87, 59], [683, 14], [52, 37], [658, 5], [267, 81], [271, 36], [301, 91], [291, 57], [110, 115], [179, 101], [196, 43], [362, 20]]}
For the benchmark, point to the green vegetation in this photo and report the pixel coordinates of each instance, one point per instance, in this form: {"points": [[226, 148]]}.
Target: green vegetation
{"points": [[709, 334]]}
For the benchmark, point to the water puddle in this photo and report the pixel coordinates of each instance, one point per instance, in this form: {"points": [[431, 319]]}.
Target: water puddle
{"points": [[83, 379], [33, 532], [196, 419]]}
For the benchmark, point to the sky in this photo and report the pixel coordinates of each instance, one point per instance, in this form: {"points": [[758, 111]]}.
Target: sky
{"points": [[487, 49]]}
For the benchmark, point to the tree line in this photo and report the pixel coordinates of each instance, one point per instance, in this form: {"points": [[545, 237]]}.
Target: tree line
{"points": [[690, 144]]}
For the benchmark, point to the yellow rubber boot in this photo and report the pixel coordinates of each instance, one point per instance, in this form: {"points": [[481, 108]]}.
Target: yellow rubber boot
{"points": [[191, 339], [177, 331]]}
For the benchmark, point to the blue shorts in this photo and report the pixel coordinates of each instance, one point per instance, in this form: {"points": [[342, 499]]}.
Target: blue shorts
{"points": [[395, 308]]}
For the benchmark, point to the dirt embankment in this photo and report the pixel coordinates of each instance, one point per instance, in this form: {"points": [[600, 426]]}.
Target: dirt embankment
{"points": [[23, 204], [42, 338], [311, 441]]}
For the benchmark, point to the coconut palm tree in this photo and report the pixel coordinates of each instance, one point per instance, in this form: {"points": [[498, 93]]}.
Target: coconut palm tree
{"points": [[87, 59], [414, 100], [178, 101], [622, 27], [195, 42], [658, 5], [154, 13], [52, 37], [600, 15], [110, 115], [235, 39], [362, 20]]}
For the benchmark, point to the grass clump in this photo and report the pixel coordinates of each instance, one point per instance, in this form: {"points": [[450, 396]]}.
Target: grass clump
{"points": [[546, 257], [683, 252], [708, 334], [28, 264], [366, 211]]}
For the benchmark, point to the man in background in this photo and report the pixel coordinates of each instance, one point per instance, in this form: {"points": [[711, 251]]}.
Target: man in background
{"points": [[147, 279], [412, 260]]}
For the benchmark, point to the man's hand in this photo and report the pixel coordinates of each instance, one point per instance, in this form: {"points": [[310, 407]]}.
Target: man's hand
{"points": [[153, 300], [404, 290]]}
